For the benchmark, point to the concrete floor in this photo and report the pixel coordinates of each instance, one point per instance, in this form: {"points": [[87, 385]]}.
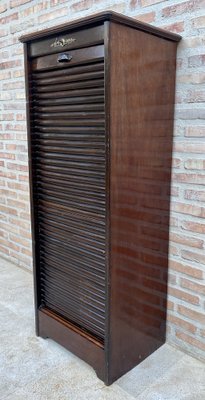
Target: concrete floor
{"points": [[36, 369]]}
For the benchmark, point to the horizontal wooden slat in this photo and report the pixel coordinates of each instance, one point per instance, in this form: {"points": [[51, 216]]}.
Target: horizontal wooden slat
{"points": [[85, 117], [50, 122], [40, 80], [94, 107], [68, 86], [80, 70], [69, 93], [69, 100]]}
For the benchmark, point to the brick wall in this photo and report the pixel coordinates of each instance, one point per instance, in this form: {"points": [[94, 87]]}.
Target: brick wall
{"points": [[186, 318]]}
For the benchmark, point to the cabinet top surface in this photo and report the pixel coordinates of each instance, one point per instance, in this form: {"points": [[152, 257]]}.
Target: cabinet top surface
{"points": [[100, 18]]}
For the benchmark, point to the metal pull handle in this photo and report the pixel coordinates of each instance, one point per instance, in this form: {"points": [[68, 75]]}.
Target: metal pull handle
{"points": [[64, 58]]}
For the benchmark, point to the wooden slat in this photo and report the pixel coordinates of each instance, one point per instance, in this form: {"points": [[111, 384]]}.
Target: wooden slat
{"points": [[82, 69]]}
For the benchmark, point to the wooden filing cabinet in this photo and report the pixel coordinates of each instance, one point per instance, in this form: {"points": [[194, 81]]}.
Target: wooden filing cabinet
{"points": [[100, 94]]}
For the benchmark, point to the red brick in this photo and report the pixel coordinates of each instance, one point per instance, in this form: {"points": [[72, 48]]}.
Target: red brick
{"points": [[7, 117], [27, 252], [188, 209], [13, 85], [17, 167], [202, 332], [25, 215], [176, 27], [191, 314], [197, 195], [22, 241], [4, 250], [24, 197], [18, 186], [24, 233], [4, 55], [192, 131], [190, 340], [8, 193], [174, 191], [186, 269], [84, 5], [10, 64], [195, 287], [19, 223], [172, 279], [20, 117], [195, 257], [15, 203], [183, 147], [62, 12], [17, 3], [5, 75], [54, 3], [8, 18], [22, 157], [21, 136], [169, 305], [7, 175], [7, 156], [199, 22], [18, 73], [7, 210], [176, 162], [23, 178], [187, 326], [146, 3], [134, 4], [9, 228], [148, 17], [193, 226], [195, 96], [15, 127], [173, 250], [192, 78], [174, 222], [11, 147], [189, 178], [196, 61], [186, 240], [14, 247], [198, 164], [184, 7], [180, 294]]}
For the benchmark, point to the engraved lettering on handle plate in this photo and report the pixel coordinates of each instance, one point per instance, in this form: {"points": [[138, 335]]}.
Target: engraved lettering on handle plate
{"points": [[62, 42]]}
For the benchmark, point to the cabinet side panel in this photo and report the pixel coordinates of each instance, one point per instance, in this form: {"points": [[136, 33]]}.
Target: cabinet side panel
{"points": [[142, 79], [34, 219]]}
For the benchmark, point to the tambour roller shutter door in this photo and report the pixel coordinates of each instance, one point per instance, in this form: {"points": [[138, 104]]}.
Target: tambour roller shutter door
{"points": [[100, 107], [69, 178]]}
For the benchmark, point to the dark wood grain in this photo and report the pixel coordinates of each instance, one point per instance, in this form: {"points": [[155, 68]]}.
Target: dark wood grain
{"points": [[100, 146], [71, 261], [142, 79], [80, 38], [98, 18], [84, 346]]}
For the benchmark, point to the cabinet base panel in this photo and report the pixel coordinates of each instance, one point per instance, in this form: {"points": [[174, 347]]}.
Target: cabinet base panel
{"points": [[79, 343]]}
